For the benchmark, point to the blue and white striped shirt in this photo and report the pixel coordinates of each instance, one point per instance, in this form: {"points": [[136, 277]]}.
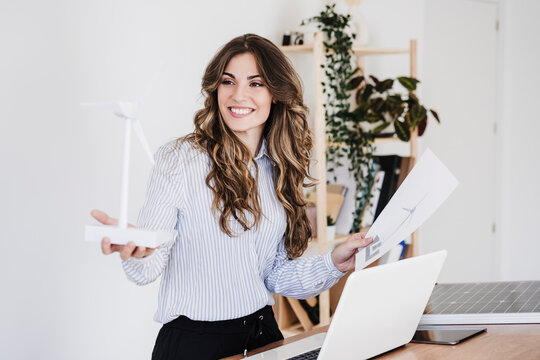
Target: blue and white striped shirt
{"points": [[208, 275]]}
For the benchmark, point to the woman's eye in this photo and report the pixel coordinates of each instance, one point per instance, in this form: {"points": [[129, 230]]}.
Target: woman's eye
{"points": [[227, 82], [256, 84]]}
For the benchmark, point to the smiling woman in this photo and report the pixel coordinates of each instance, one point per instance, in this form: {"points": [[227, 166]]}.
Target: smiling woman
{"points": [[232, 191]]}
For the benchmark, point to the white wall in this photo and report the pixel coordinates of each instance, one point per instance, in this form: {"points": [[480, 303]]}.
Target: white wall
{"points": [[62, 299], [520, 171]]}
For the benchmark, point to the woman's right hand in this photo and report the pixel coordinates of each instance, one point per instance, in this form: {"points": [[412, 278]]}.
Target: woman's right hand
{"points": [[126, 251]]}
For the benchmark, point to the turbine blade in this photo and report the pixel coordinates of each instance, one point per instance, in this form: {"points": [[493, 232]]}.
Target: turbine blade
{"points": [[150, 84], [142, 138]]}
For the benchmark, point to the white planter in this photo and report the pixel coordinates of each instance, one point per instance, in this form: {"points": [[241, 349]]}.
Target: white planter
{"points": [[330, 233]]}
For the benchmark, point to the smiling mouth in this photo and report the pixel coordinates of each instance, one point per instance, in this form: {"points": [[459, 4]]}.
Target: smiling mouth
{"points": [[240, 111]]}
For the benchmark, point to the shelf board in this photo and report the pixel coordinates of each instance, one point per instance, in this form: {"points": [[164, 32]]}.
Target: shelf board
{"points": [[356, 50], [296, 48], [377, 140], [381, 140], [378, 51]]}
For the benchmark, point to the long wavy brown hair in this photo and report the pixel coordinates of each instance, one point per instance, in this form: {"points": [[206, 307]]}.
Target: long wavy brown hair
{"points": [[286, 133]]}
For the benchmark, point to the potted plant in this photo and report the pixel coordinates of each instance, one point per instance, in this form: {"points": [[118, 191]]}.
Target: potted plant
{"points": [[379, 104], [351, 129]]}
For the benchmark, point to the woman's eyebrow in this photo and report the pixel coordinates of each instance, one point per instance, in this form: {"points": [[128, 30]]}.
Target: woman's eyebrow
{"points": [[249, 77]]}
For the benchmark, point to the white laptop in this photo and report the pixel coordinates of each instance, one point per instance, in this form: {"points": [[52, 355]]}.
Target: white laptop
{"points": [[378, 311]]}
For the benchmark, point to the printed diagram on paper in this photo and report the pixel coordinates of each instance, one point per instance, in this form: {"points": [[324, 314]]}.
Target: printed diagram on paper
{"points": [[426, 187]]}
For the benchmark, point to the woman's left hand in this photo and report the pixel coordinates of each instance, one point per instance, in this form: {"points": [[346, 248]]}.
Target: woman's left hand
{"points": [[343, 255]]}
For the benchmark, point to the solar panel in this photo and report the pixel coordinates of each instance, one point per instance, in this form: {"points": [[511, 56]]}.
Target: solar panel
{"points": [[484, 303]]}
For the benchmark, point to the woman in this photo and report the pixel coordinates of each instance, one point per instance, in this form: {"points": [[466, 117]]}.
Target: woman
{"points": [[232, 190]]}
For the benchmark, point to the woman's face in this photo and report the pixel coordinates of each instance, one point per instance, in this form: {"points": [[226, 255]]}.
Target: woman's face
{"points": [[243, 98]]}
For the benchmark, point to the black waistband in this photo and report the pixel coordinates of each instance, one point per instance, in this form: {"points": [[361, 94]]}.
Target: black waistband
{"points": [[239, 325]]}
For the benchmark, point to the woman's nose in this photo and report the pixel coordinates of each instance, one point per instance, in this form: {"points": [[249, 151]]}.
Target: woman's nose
{"points": [[240, 93]]}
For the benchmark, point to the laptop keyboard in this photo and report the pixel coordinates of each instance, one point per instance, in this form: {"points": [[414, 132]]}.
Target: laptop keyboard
{"points": [[310, 355]]}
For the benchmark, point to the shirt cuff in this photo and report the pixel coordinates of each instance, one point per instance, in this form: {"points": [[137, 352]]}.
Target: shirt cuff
{"points": [[334, 272]]}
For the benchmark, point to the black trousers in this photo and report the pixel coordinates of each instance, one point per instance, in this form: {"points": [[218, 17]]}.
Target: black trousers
{"points": [[186, 339]]}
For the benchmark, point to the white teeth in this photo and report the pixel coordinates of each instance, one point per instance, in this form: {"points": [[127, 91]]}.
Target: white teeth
{"points": [[240, 111]]}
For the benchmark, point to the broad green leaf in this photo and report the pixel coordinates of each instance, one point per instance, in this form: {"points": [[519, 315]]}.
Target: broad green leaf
{"points": [[368, 90], [384, 85], [402, 131], [376, 104], [416, 112], [407, 119], [408, 82], [358, 96], [398, 111], [373, 118], [355, 82], [381, 127], [422, 126], [424, 114], [416, 120], [394, 99], [375, 80]]}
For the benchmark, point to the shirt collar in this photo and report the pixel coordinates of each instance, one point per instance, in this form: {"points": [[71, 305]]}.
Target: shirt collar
{"points": [[262, 151]]}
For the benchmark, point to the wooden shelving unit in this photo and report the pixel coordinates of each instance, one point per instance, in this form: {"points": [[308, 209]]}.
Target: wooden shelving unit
{"points": [[291, 317], [357, 50]]}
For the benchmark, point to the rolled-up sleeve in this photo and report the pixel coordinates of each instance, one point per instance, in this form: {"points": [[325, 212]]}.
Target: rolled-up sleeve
{"points": [[161, 210]]}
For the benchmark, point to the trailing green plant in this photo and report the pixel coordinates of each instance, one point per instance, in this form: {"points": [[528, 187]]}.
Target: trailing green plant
{"points": [[346, 138], [351, 132]]}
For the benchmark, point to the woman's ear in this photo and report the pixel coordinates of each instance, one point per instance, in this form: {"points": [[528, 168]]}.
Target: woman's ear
{"points": [[274, 101]]}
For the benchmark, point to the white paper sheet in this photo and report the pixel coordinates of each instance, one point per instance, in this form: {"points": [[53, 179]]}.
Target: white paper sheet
{"points": [[426, 187]]}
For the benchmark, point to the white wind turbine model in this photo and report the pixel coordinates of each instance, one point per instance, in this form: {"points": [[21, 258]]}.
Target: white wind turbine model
{"points": [[121, 234]]}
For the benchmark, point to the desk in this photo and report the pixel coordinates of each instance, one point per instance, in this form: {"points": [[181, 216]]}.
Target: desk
{"points": [[520, 341]]}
